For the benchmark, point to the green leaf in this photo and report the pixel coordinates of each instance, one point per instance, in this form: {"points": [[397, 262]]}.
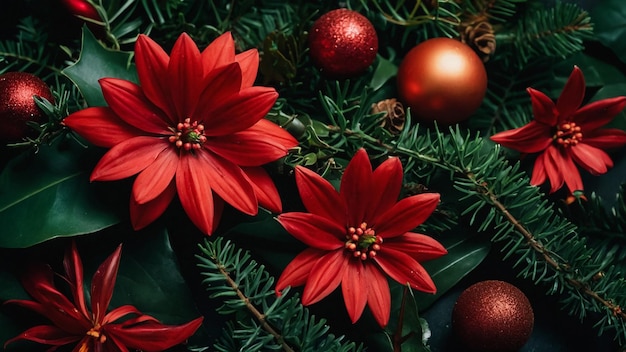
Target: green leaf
{"points": [[385, 70], [609, 19], [414, 329], [465, 252], [48, 195], [97, 62]]}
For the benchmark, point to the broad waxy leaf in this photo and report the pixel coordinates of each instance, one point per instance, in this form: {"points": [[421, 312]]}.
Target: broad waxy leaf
{"points": [[465, 252], [48, 195], [97, 62], [609, 19]]}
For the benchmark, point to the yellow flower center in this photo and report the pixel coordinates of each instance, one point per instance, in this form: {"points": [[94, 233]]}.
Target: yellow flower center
{"points": [[188, 135], [568, 134], [362, 241], [96, 335]]}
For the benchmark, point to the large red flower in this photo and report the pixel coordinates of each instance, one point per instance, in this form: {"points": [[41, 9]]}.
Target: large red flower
{"points": [[357, 235], [566, 134], [97, 330], [195, 126]]}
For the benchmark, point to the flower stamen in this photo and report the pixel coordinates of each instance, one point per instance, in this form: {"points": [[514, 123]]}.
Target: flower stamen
{"points": [[568, 134], [363, 242], [188, 135]]}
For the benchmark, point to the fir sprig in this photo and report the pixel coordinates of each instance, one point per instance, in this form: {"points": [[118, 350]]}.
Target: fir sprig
{"points": [[497, 198], [264, 321], [29, 51], [555, 32]]}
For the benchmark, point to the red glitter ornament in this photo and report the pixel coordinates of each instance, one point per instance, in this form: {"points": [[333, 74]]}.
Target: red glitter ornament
{"points": [[343, 43], [17, 105], [492, 315], [442, 80]]}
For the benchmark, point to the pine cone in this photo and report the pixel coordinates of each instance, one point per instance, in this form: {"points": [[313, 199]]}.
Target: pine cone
{"points": [[394, 118], [480, 36]]}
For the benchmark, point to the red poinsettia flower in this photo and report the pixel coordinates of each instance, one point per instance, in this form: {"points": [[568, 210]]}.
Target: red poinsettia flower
{"points": [[357, 235], [195, 126], [566, 134], [96, 330]]}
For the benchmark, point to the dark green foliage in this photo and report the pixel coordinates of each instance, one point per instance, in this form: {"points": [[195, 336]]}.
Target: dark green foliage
{"points": [[263, 320]]}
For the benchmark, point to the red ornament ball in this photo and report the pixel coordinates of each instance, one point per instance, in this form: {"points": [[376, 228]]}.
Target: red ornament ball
{"points": [[443, 80], [342, 43], [17, 105], [492, 315], [81, 8]]}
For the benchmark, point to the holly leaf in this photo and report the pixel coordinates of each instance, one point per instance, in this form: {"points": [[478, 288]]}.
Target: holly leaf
{"points": [[465, 252], [97, 62], [609, 19], [48, 195]]}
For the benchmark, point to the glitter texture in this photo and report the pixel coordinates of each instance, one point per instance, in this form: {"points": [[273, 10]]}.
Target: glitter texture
{"points": [[492, 315], [17, 105], [343, 43]]}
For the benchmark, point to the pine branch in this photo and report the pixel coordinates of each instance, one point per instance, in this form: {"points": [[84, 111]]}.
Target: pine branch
{"points": [[556, 32], [424, 18], [497, 198], [29, 51], [272, 322]]}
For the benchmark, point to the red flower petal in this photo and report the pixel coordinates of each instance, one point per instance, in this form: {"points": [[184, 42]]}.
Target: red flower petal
{"points": [[320, 197], [539, 174], [235, 112], [531, 138], [325, 276], [102, 285], [560, 169], [153, 180], [53, 305], [378, 295], [142, 215], [45, 334], [356, 183], [598, 113], [592, 159], [314, 230], [606, 138], [38, 281], [352, 288], [193, 183], [249, 62], [264, 188], [152, 63], [419, 247], [298, 270], [386, 186], [183, 70], [226, 179], [572, 95], [405, 215], [221, 89], [128, 158], [123, 311], [74, 274], [544, 110], [220, 52], [404, 269], [100, 126], [258, 145], [128, 102], [152, 336]]}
